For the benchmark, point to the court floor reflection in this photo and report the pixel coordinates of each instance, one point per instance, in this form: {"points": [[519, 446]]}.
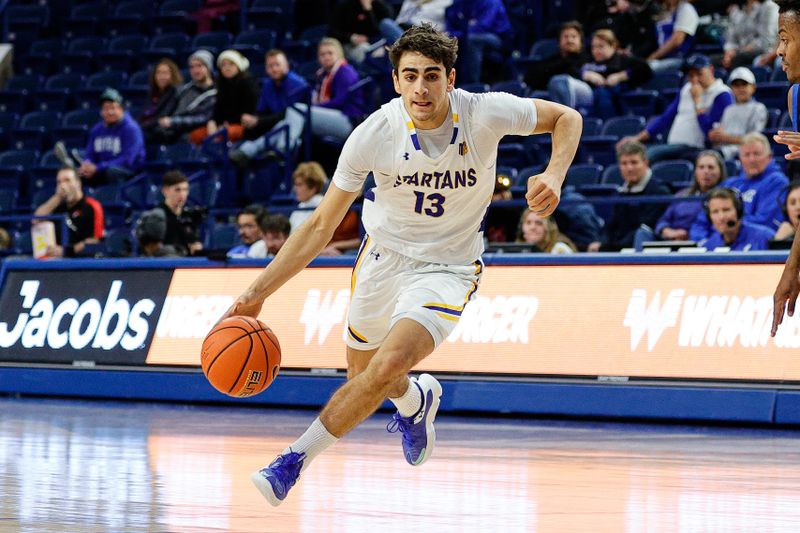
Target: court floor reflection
{"points": [[71, 466]]}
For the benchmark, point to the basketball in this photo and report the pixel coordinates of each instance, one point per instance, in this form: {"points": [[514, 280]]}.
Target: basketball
{"points": [[241, 356]]}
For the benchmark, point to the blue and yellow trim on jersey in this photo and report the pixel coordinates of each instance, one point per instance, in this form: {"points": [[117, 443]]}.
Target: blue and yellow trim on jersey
{"points": [[793, 91], [354, 334], [452, 312], [412, 131]]}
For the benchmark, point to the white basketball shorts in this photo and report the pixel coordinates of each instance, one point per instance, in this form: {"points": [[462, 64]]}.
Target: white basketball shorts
{"points": [[387, 286]]}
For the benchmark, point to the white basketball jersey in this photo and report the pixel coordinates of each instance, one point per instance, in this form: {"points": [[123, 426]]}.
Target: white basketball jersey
{"points": [[432, 209]]}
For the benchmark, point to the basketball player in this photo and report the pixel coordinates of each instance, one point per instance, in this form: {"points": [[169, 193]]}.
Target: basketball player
{"points": [[789, 52], [433, 154]]}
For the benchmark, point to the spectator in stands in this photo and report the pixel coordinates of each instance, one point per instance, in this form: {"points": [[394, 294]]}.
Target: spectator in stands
{"points": [[275, 230], [724, 211], [631, 22], [150, 230], [247, 220], [84, 214], [750, 34], [760, 183], [356, 25], [677, 220], [165, 79], [309, 180], [627, 218], [566, 65], [183, 224], [414, 12], [675, 33], [194, 103], [279, 90], [611, 74], [543, 233], [336, 110], [741, 117], [115, 150], [481, 26], [237, 94], [690, 116], [791, 213], [577, 219]]}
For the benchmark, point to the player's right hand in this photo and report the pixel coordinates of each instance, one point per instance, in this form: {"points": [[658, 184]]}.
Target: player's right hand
{"points": [[245, 305], [786, 293], [790, 139]]}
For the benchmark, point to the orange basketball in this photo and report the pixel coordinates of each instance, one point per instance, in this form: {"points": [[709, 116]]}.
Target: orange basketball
{"points": [[241, 356]]}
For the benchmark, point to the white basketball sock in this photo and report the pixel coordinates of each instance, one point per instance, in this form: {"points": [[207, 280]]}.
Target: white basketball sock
{"points": [[409, 403], [313, 442]]}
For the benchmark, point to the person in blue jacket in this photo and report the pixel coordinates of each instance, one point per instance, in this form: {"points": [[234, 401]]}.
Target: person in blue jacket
{"points": [[724, 209], [761, 184], [480, 26], [115, 150]]}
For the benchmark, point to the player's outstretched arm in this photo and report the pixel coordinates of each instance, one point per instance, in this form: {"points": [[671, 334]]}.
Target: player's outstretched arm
{"points": [[566, 124], [788, 287], [303, 245]]}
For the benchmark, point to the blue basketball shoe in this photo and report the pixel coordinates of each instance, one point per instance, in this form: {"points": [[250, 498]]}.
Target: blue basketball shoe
{"points": [[419, 436], [275, 480]]}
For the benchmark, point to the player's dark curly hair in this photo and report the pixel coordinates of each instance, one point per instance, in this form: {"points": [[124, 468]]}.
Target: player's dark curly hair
{"points": [[428, 41], [785, 6]]}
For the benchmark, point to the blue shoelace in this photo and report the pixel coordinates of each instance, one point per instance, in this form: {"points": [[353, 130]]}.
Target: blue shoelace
{"points": [[287, 468], [401, 424]]}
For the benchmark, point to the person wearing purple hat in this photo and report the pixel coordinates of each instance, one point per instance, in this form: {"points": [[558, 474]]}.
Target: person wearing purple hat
{"points": [[691, 115]]}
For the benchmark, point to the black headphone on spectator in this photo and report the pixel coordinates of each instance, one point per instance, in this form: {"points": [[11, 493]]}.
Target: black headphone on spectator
{"points": [[725, 192]]}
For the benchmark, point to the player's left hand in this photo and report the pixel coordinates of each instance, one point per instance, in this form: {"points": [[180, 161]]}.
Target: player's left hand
{"points": [[544, 193], [785, 297]]}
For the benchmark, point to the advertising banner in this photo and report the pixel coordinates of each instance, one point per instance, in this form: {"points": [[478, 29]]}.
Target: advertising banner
{"points": [[707, 321], [63, 316]]}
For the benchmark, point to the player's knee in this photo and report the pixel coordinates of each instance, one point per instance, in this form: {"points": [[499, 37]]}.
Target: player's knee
{"points": [[388, 367]]}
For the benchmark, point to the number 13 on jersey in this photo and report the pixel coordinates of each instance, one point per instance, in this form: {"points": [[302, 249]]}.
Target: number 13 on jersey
{"points": [[435, 201]]}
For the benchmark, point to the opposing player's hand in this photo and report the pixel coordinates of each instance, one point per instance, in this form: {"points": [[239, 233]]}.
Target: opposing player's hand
{"points": [[544, 193], [790, 139], [786, 293]]}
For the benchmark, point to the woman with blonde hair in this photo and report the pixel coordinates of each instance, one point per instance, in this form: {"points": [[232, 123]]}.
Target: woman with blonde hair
{"points": [[309, 180], [544, 233]]}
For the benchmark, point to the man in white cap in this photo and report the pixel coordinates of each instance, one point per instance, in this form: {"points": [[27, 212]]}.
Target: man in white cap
{"points": [[195, 102], [745, 115]]}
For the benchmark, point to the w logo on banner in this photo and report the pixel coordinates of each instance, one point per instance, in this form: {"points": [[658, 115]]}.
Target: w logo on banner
{"points": [[651, 318]]}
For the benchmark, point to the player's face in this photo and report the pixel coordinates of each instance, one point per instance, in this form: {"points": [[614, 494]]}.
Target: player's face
{"points": [[533, 229], [707, 173], [423, 85], [754, 157], [633, 168], [249, 232], [721, 211], [789, 45], [793, 207]]}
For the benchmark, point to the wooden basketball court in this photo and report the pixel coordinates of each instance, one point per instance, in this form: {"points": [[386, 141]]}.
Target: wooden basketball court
{"points": [[86, 466]]}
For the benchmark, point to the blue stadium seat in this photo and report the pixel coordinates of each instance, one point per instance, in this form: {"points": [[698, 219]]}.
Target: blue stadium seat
{"points": [[515, 155], [81, 53], [118, 242], [299, 51], [75, 126], [611, 175], [128, 19], [87, 96], [173, 16], [544, 48], [772, 94], [599, 149], [515, 87], [641, 102], [8, 121], [203, 190], [761, 74], [672, 172], [591, 126], [526, 172], [42, 57], [263, 40], [223, 237], [35, 130], [215, 41], [623, 126], [733, 167], [668, 79], [268, 18], [8, 200], [84, 19], [23, 243], [23, 24], [475, 87], [583, 174], [773, 117], [58, 91], [171, 45], [140, 78], [17, 96], [123, 53]]}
